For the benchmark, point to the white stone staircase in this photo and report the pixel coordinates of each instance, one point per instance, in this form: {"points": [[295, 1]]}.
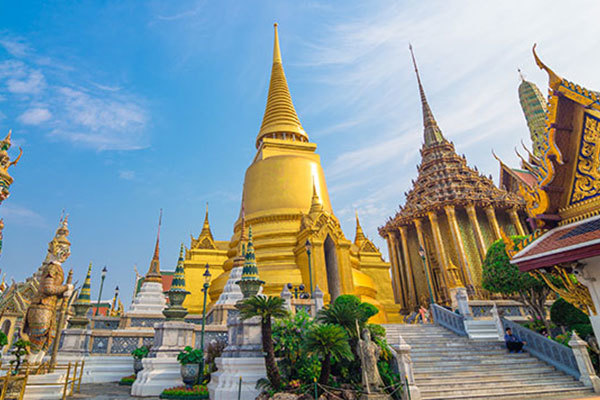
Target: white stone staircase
{"points": [[448, 366]]}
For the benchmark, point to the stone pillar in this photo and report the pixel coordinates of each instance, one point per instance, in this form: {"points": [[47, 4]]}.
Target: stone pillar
{"points": [[404, 367], [439, 246], [472, 213], [419, 226], [161, 368], [588, 375], [397, 284], [243, 357], [491, 215], [460, 248], [514, 217], [411, 290], [75, 342]]}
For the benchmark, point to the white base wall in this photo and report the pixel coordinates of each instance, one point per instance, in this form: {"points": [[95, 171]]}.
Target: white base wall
{"points": [[46, 392], [102, 369], [224, 384], [159, 373]]}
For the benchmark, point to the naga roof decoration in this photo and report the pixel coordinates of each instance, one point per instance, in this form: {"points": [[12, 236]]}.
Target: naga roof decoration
{"points": [[445, 178]]}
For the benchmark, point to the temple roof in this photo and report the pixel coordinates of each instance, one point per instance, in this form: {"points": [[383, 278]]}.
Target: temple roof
{"points": [[280, 115], [444, 178]]}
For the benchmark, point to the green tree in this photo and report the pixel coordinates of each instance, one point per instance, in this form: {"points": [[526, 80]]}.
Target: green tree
{"points": [[567, 315], [500, 276], [265, 308], [329, 342]]}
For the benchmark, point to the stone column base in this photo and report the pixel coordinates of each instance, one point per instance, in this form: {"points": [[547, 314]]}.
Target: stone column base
{"points": [[159, 373], [224, 384]]}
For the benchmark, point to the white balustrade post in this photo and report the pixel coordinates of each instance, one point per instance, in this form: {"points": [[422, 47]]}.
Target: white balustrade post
{"points": [[401, 354], [317, 303], [588, 375], [462, 298], [498, 323]]}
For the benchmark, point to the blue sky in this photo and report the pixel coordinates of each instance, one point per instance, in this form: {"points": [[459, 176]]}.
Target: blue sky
{"points": [[123, 108]]}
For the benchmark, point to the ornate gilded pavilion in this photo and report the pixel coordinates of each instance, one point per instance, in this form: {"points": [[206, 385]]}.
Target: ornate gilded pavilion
{"points": [[564, 203], [454, 213], [286, 202]]}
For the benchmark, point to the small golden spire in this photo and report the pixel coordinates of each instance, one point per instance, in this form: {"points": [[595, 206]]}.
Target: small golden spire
{"points": [[315, 204], [153, 274], [360, 235], [206, 226], [431, 130], [280, 115]]}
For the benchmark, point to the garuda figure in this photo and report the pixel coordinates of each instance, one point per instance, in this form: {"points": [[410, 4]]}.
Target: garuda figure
{"points": [[40, 321]]}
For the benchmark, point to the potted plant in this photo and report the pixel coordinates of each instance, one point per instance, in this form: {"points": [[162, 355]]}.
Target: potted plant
{"points": [[190, 360], [139, 354]]}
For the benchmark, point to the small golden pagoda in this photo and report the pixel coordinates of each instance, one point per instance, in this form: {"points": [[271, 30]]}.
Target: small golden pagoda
{"points": [[285, 200], [454, 213]]}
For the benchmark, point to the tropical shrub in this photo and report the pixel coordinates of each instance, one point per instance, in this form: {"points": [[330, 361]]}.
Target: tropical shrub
{"points": [[190, 356], [3, 339], [329, 342], [140, 352], [19, 350]]}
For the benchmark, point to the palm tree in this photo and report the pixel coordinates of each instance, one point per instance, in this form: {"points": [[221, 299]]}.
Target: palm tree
{"points": [[265, 308], [342, 314], [328, 342]]}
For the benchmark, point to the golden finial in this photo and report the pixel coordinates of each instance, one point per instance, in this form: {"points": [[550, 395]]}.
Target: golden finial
{"points": [[276, 50], [360, 235], [521, 75], [315, 205], [153, 274]]}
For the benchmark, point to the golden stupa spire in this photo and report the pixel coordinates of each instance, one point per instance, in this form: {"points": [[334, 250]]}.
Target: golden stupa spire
{"points": [[360, 235], [243, 237], [431, 131], [280, 117], [153, 274]]}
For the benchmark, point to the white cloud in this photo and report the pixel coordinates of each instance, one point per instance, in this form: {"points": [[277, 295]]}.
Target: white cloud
{"points": [[127, 175], [16, 214], [86, 114], [33, 83], [35, 116]]}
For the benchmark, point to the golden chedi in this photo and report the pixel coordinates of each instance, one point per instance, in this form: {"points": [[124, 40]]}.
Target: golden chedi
{"points": [[286, 203]]}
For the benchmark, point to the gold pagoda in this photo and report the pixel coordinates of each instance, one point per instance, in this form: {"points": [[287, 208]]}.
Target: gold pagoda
{"points": [[286, 203], [453, 213]]}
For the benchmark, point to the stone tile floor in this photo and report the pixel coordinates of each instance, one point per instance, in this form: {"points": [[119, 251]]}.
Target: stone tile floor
{"points": [[105, 391]]}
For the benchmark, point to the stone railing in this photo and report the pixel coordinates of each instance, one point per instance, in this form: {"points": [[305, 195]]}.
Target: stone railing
{"points": [[448, 319], [510, 309], [559, 356]]}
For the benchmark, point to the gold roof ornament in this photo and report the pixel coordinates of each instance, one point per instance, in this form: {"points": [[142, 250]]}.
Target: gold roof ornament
{"points": [[205, 239], [316, 206], [280, 115], [359, 237]]}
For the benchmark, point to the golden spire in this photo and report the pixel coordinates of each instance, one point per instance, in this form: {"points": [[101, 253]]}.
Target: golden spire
{"points": [[360, 235], [206, 227], [243, 237], [431, 131], [316, 206], [280, 115], [153, 274]]}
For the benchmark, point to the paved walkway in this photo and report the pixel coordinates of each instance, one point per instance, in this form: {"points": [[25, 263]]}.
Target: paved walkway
{"points": [[105, 391]]}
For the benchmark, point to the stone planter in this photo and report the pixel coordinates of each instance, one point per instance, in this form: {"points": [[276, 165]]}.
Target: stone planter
{"points": [[137, 365], [189, 374]]}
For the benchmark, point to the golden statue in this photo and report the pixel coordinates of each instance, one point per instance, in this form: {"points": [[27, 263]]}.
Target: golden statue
{"points": [[5, 179], [40, 320]]}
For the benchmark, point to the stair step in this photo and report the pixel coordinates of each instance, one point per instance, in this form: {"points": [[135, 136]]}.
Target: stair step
{"points": [[515, 394], [453, 375], [470, 388]]}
